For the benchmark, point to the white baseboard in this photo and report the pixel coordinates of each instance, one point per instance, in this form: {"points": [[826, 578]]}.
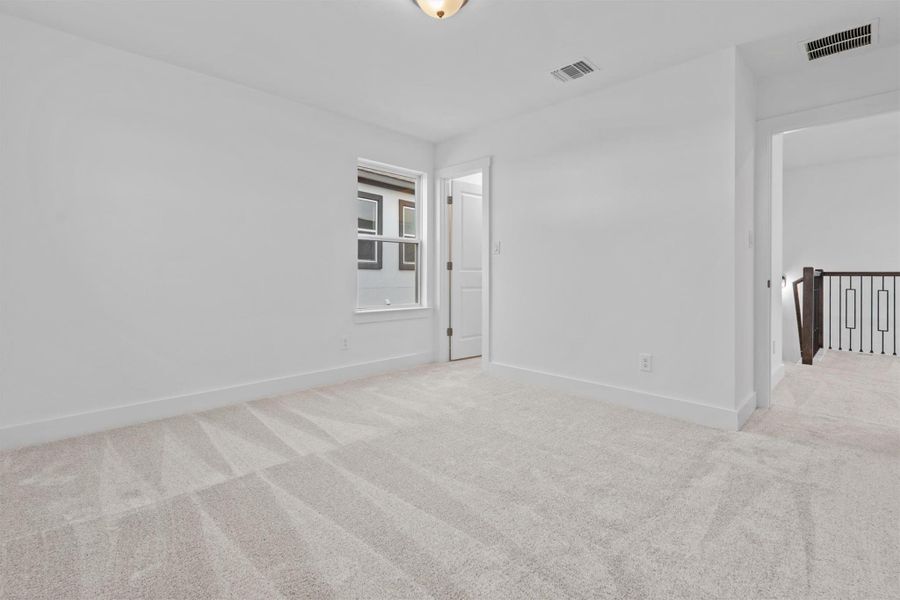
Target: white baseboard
{"points": [[686, 410], [37, 432], [746, 409], [777, 375]]}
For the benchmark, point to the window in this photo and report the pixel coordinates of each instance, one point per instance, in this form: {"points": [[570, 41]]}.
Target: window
{"points": [[388, 243]]}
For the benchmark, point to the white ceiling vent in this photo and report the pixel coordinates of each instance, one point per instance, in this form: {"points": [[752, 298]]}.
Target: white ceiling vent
{"points": [[856, 37], [576, 70]]}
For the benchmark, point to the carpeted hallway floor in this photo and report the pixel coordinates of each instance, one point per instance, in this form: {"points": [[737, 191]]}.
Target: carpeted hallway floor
{"points": [[445, 482]]}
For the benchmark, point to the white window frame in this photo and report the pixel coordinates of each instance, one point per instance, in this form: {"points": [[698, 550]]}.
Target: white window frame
{"points": [[422, 308]]}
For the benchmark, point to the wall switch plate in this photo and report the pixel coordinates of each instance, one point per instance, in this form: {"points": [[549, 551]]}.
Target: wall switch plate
{"points": [[495, 248], [645, 362], [345, 342]]}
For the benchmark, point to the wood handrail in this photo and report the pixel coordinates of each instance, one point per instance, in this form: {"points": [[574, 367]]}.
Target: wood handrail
{"points": [[861, 273]]}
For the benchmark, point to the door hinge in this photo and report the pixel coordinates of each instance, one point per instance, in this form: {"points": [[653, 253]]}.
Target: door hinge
{"points": [[769, 283], [449, 265], [449, 332], [449, 199]]}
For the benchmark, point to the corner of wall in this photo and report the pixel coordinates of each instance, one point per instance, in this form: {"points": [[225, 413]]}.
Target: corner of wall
{"points": [[745, 235]]}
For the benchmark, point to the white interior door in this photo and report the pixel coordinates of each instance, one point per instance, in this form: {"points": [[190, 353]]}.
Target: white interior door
{"points": [[465, 275]]}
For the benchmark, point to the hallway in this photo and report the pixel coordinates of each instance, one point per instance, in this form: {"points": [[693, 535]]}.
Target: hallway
{"points": [[855, 390]]}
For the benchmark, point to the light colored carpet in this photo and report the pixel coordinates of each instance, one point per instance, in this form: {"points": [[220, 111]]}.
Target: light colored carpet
{"points": [[446, 482]]}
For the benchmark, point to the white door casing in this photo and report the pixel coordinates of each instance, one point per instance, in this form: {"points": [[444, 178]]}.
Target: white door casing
{"points": [[768, 283], [466, 222]]}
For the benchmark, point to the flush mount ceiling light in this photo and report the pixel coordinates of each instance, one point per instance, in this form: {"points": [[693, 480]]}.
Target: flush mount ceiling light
{"points": [[440, 9]]}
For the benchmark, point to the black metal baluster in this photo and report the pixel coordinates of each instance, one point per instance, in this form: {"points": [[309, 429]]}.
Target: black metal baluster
{"points": [[847, 311], [879, 314], [862, 291], [830, 300], [840, 322], [871, 316]]}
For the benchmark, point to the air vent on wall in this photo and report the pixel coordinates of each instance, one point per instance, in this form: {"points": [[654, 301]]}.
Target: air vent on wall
{"points": [[576, 70], [856, 37]]}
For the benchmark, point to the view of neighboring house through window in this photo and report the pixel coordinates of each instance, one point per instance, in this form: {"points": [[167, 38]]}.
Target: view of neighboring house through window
{"points": [[388, 245], [368, 222], [407, 227]]}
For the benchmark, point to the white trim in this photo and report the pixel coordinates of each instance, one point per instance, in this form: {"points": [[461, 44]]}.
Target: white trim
{"points": [[777, 375], [442, 188], [400, 313], [685, 410], [388, 168], [745, 409], [48, 430], [387, 239], [765, 129]]}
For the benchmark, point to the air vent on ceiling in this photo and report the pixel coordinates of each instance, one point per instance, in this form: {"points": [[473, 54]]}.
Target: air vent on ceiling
{"points": [[576, 70], [856, 37]]}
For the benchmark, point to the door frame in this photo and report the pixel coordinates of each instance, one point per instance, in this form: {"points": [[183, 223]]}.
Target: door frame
{"points": [[766, 130], [443, 176]]}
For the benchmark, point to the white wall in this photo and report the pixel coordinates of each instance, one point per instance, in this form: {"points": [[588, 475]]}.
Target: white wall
{"points": [[778, 293], [830, 81], [166, 233], [616, 212], [839, 216], [744, 235], [474, 179]]}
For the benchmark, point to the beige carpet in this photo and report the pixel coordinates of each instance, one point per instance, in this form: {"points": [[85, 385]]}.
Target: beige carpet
{"points": [[444, 482]]}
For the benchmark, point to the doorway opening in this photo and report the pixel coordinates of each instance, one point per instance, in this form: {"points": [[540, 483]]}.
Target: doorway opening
{"points": [[464, 294], [835, 218]]}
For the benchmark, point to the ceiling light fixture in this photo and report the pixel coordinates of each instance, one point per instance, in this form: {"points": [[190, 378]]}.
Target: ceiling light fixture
{"points": [[440, 9]]}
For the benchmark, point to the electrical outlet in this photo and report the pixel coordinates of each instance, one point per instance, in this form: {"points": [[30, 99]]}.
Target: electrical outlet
{"points": [[645, 362], [345, 342]]}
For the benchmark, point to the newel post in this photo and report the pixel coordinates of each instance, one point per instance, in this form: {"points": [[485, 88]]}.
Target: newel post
{"points": [[807, 348]]}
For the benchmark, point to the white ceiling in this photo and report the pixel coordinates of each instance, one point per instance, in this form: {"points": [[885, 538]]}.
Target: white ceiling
{"points": [[385, 62], [847, 140]]}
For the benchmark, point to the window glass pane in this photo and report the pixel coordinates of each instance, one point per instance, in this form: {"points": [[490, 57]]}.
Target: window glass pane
{"points": [[367, 251], [407, 221], [387, 272], [367, 216], [392, 285], [407, 257]]}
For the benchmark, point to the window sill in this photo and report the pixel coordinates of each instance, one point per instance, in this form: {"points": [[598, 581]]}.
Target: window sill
{"points": [[376, 315]]}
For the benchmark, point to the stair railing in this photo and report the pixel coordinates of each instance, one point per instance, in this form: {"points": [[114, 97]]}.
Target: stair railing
{"points": [[840, 297]]}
